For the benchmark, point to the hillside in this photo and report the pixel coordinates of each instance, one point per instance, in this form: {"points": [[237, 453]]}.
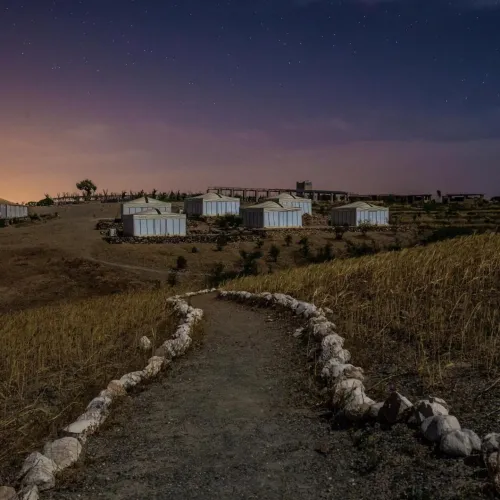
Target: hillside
{"points": [[422, 319]]}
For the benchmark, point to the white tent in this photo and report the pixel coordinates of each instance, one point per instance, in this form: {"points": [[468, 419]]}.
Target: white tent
{"points": [[358, 213], [154, 222], [291, 200], [212, 204], [144, 203], [270, 214]]}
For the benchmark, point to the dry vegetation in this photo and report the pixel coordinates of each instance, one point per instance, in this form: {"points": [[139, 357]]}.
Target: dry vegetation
{"points": [[53, 359], [426, 317]]}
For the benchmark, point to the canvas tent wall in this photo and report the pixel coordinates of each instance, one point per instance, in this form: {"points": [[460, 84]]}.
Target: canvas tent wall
{"points": [[291, 200], [144, 203], [270, 214], [212, 204], [358, 213], [153, 222], [13, 211]]}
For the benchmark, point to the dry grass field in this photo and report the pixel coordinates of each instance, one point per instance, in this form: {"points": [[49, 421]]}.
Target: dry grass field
{"points": [[424, 319], [73, 307]]}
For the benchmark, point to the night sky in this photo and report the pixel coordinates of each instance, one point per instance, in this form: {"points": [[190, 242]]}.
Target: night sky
{"points": [[363, 96]]}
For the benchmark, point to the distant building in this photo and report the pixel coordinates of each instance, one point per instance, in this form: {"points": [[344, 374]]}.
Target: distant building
{"points": [[303, 186], [291, 200], [154, 222], [461, 197], [212, 204], [10, 210], [270, 214], [145, 203], [358, 213]]}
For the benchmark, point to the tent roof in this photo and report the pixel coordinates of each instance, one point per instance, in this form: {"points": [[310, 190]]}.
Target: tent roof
{"points": [[213, 197], [154, 212], [272, 205], [148, 200], [288, 197], [362, 205]]}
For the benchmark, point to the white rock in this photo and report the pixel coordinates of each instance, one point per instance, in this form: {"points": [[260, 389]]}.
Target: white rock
{"points": [[493, 465], [358, 405], [434, 428], [491, 443], [474, 439], [323, 329], [154, 366], [100, 403], [38, 470], [346, 390], [333, 370], [396, 408], [8, 493], [63, 452], [115, 389], [177, 347], [298, 332], [131, 379], [330, 346], [428, 408], [145, 344], [81, 429], [29, 493], [374, 410], [456, 444]]}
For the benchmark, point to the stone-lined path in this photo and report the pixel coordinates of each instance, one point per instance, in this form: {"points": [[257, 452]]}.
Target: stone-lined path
{"points": [[236, 419]]}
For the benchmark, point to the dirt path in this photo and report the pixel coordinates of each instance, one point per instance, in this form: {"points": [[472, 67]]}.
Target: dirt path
{"points": [[235, 419]]}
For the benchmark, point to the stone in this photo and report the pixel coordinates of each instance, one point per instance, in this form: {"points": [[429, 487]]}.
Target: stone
{"points": [[491, 443], [29, 493], [434, 428], [359, 404], [176, 347], [456, 444], [8, 493], [81, 429], [131, 379], [63, 452], [374, 410], [347, 390], [298, 332], [115, 389], [38, 470], [154, 366], [330, 346], [145, 344], [428, 408], [396, 408], [474, 439], [100, 403], [320, 330], [333, 370]]}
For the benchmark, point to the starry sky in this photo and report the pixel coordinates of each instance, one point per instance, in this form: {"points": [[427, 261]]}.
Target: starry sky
{"points": [[356, 95]]}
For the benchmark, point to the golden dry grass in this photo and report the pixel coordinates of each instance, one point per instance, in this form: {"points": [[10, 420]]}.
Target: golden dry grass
{"points": [[442, 301], [53, 359]]}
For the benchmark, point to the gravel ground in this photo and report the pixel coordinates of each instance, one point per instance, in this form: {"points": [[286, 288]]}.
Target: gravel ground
{"points": [[240, 418]]}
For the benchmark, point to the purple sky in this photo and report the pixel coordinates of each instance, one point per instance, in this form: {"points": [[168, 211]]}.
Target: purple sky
{"points": [[364, 96]]}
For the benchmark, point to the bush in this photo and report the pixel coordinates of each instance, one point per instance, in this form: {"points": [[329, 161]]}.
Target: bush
{"points": [[325, 254], [194, 250], [259, 244], [181, 262], [249, 262], [274, 253], [340, 231], [304, 246], [288, 240], [221, 242], [218, 275], [172, 279], [228, 221]]}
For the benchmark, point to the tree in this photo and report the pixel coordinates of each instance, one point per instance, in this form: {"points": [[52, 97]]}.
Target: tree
{"points": [[172, 278], [181, 262], [87, 187], [288, 240], [46, 202], [274, 253]]}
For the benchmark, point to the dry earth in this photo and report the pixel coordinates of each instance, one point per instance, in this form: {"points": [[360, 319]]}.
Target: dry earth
{"points": [[240, 417]]}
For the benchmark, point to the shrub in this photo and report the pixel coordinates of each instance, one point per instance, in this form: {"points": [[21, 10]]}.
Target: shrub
{"points": [[274, 253], [181, 262], [194, 250], [228, 221], [340, 231], [304, 246], [172, 279], [288, 240], [259, 244]]}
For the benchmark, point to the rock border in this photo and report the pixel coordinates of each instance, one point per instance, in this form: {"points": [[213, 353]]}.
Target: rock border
{"points": [[38, 471], [344, 382]]}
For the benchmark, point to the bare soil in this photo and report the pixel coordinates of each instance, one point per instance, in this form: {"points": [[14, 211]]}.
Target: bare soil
{"points": [[241, 417]]}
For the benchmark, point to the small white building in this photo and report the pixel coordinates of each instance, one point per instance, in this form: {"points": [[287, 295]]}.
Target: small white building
{"points": [[291, 200], [13, 211], [145, 203], [154, 222], [211, 204], [360, 212], [270, 214]]}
